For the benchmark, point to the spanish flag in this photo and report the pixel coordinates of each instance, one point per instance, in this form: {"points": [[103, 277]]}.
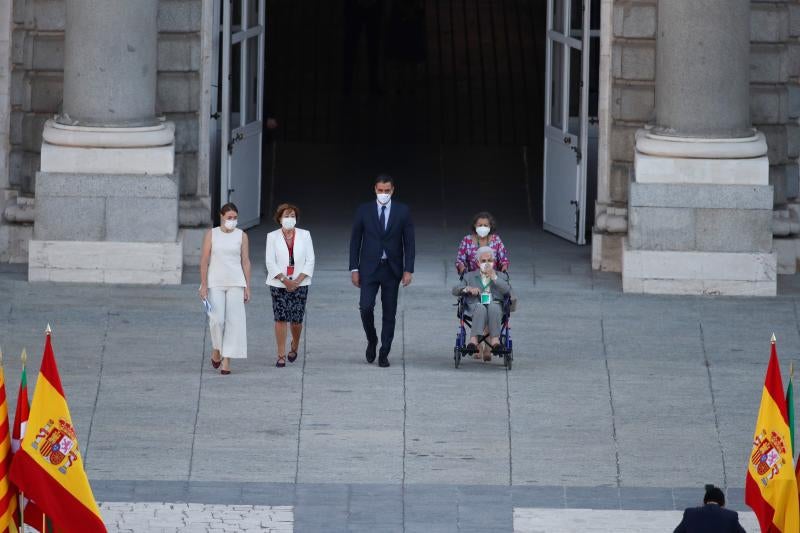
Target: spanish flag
{"points": [[9, 519], [771, 486], [48, 467]]}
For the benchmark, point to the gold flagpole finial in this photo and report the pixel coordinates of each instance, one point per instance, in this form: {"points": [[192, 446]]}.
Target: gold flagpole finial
{"points": [[773, 338], [24, 356], [1, 355], [49, 331]]}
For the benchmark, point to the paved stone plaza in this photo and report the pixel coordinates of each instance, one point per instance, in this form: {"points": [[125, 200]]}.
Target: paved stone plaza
{"points": [[615, 402]]}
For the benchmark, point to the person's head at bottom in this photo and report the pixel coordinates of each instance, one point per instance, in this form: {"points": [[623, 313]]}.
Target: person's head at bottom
{"points": [[714, 495]]}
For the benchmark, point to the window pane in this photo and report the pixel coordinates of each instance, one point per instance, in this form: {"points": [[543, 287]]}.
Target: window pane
{"points": [[236, 15], [574, 91], [576, 19], [595, 15], [235, 84], [594, 75], [558, 15], [557, 85], [252, 13], [252, 80]]}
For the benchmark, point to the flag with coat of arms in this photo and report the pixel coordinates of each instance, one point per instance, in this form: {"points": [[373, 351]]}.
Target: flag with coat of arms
{"points": [[48, 467]]}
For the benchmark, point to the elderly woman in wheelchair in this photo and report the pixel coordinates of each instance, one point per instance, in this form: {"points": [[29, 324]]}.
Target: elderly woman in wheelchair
{"points": [[484, 297]]}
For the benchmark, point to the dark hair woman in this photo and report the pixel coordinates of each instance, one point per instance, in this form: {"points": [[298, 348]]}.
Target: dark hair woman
{"points": [[482, 233], [225, 287]]}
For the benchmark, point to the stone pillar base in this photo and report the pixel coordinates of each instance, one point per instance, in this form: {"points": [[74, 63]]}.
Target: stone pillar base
{"points": [[106, 229], [96, 150], [92, 207], [141, 263], [700, 218], [700, 273]]}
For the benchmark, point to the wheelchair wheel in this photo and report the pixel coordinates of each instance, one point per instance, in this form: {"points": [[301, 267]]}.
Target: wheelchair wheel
{"points": [[456, 356], [508, 358]]}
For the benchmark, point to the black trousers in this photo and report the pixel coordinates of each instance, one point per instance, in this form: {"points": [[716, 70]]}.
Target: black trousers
{"points": [[388, 283]]}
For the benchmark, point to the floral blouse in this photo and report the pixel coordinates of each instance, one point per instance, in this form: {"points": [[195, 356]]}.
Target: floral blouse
{"points": [[468, 252]]}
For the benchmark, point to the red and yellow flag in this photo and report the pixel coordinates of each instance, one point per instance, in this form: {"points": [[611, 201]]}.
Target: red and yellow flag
{"points": [[771, 485], [48, 467], [33, 516], [9, 518]]}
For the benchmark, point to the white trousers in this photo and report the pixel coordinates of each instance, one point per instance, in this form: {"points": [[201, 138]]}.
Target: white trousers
{"points": [[227, 321]]}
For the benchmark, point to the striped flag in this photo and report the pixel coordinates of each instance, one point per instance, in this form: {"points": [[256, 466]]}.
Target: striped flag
{"points": [[23, 409], [33, 516], [8, 493], [771, 485], [48, 467]]}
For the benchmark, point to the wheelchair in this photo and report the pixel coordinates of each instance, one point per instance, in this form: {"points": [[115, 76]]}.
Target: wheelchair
{"points": [[465, 321]]}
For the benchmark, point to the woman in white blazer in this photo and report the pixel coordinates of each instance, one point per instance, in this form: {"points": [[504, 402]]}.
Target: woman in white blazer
{"points": [[290, 266]]}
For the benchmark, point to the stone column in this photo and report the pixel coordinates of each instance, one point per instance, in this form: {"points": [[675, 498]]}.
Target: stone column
{"points": [[110, 63], [703, 68], [700, 208], [106, 194]]}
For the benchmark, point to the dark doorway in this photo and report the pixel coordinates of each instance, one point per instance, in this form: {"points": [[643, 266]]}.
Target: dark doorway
{"points": [[427, 87]]}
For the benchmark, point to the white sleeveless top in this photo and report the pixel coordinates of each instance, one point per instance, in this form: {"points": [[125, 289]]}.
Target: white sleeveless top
{"points": [[225, 267]]}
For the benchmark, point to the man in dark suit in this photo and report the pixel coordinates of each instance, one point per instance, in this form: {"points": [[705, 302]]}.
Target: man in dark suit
{"points": [[712, 516], [381, 257]]}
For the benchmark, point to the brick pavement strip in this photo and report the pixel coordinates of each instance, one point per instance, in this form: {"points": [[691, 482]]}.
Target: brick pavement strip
{"points": [[122, 517], [529, 520]]}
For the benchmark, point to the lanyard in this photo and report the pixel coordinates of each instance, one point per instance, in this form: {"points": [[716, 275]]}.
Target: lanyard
{"points": [[290, 246], [484, 287]]}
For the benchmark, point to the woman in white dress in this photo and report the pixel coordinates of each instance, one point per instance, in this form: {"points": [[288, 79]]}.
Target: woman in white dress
{"points": [[225, 284]]}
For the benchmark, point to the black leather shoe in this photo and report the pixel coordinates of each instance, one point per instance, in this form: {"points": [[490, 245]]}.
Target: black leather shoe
{"points": [[371, 351], [383, 361]]}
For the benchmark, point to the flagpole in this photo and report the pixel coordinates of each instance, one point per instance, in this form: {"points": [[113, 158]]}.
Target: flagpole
{"points": [[48, 331], [24, 357]]}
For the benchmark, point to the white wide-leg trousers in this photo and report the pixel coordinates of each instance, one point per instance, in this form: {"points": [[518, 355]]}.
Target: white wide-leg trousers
{"points": [[227, 321]]}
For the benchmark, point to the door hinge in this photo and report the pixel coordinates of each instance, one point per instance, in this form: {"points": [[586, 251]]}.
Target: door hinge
{"points": [[236, 138]]}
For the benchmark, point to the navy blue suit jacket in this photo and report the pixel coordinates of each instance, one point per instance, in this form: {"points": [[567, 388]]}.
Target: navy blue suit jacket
{"points": [[368, 241], [708, 518]]}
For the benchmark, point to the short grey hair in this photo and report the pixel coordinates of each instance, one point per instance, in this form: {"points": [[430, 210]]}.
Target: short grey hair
{"points": [[484, 250]]}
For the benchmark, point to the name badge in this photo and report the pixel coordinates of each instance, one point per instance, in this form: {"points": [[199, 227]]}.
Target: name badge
{"points": [[486, 298], [290, 270]]}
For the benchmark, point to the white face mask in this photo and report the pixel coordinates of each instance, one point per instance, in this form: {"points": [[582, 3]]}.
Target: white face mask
{"points": [[482, 231], [486, 266], [383, 198], [288, 222], [231, 224]]}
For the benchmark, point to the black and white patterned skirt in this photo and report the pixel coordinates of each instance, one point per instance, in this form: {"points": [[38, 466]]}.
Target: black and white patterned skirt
{"points": [[289, 306]]}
